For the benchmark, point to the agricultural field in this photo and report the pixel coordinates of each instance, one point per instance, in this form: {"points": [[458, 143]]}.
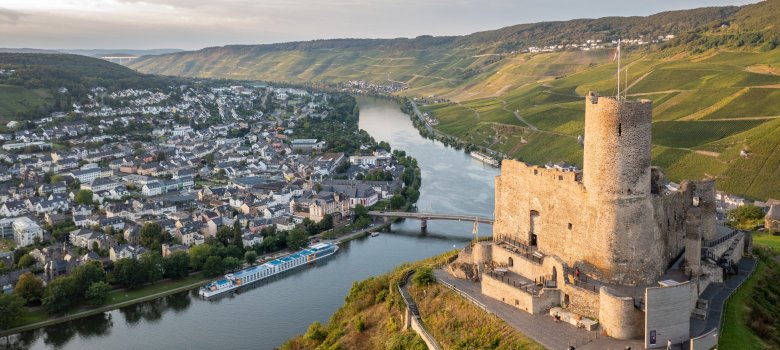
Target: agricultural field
{"points": [[688, 134]]}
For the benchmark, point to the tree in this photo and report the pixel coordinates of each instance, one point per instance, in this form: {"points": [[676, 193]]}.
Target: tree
{"points": [[198, 255], [360, 211], [129, 273], [26, 261], [326, 223], [397, 201], [231, 263], [423, 276], [10, 309], [85, 275], [746, 217], [297, 239], [97, 293], [83, 197], [250, 256], [213, 266], [152, 264], [29, 288], [224, 234], [177, 265], [150, 235], [56, 299], [238, 235]]}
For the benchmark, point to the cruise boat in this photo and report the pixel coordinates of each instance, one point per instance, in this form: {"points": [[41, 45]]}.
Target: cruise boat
{"points": [[485, 159], [253, 274]]}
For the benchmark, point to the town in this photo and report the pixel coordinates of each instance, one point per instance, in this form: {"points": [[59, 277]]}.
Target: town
{"points": [[148, 175]]}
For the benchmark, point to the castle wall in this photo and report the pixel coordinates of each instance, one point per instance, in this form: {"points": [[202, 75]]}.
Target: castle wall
{"points": [[520, 265], [557, 197], [618, 316], [582, 302], [513, 296], [482, 252]]}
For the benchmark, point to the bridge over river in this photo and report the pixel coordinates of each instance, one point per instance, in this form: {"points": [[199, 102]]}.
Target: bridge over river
{"points": [[425, 216]]}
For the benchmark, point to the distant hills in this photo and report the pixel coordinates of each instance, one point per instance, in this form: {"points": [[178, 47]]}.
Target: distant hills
{"points": [[93, 52], [131, 52], [713, 85]]}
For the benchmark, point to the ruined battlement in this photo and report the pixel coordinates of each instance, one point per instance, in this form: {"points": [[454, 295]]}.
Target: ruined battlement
{"points": [[551, 176]]}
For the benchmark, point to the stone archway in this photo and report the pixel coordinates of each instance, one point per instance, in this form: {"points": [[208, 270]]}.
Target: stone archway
{"points": [[510, 262]]}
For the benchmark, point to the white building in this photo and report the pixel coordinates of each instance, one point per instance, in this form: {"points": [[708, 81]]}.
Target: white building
{"points": [[25, 231], [86, 176]]}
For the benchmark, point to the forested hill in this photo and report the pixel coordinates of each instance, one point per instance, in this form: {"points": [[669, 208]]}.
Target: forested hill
{"points": [[31, 91], [44, 70]]}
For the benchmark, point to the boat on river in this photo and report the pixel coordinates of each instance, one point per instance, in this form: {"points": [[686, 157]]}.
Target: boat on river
{"points": [[274, 267], [484, 158]]}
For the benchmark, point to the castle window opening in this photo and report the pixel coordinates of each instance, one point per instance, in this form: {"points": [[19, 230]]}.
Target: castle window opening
{"points": [[560, 177], [510, 262], [570, 226], [536, 172], [620, 129], [534, 228]]}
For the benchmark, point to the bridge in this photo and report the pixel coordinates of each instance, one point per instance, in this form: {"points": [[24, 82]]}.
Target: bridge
{"points": [[425, 216]]}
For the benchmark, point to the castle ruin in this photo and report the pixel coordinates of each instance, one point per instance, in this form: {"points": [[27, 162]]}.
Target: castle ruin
{"points": [[609, 246]]}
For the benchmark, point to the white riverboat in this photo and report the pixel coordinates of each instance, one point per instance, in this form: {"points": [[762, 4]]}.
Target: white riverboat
{"points": [[253, 274], [484, 158]]}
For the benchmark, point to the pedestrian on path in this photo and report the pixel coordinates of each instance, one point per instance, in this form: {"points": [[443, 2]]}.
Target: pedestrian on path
{"points": [[669, 344], [577, 272]]}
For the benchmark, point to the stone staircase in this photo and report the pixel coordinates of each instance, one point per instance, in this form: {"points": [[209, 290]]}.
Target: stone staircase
{"points": [[701, 310]]}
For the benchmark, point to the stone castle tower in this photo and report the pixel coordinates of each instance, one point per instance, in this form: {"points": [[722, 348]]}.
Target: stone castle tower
{"points": [[614, 220], [617, 179]]}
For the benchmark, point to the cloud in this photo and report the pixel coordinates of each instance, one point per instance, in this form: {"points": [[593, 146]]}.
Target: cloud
{"points": [[9, 16]]}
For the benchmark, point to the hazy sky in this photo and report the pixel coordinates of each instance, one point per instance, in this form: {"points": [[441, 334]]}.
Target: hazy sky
{"points": [[193, 24]]}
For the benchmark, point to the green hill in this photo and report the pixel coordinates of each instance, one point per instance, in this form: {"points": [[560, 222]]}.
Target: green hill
{"points": [[712, 86], [32, 90]]}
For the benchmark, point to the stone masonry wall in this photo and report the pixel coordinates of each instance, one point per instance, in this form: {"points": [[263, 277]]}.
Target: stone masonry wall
{"points": [[582, 302], [618, 316]]}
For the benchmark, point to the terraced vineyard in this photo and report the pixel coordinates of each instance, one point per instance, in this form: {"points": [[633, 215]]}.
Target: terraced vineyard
{"points": [[715, 89]]}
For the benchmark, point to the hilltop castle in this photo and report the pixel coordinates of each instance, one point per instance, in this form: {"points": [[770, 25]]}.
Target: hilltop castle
{"points": [[610, 246]]}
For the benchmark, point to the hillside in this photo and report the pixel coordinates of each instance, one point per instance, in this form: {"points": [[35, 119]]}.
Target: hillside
{"points": [[711, 85], [372, 318], [31, 91]]}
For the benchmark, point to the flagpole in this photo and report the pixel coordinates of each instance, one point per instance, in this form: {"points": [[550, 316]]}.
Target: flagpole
{"points": [[618, 70]]}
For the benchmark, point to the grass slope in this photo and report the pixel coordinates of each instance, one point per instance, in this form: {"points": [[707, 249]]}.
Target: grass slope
{"points": [[371, 318], [16, 99]]}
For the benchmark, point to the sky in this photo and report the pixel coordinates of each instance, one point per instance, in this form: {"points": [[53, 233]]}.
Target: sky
{"points": [[194, 24]]}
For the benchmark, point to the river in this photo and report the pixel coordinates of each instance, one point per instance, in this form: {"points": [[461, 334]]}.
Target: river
{"points": [[265, 316]]}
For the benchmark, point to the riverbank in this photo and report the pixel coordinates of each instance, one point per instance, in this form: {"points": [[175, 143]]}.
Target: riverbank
{"points": [[426, 130], [38, 318]]}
